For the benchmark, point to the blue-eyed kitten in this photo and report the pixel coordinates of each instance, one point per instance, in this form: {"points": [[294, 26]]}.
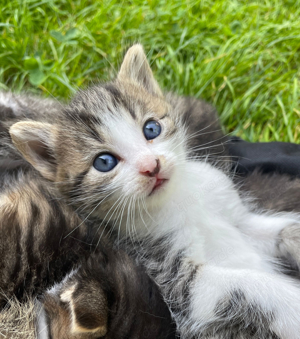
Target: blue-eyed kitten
{"points": [[121, 153]]}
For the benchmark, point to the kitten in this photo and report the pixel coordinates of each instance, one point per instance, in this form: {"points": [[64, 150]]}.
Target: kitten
{"points": [[22, 180], [120, 152], [109, 297]]}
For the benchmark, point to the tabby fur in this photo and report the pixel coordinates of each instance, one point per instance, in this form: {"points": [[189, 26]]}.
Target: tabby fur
{"points": [[50, 155], [110, 118]]}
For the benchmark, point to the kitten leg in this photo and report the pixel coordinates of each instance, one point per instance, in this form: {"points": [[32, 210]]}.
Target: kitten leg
{"points": [[289, 244], [276, 235], [230, 303]]}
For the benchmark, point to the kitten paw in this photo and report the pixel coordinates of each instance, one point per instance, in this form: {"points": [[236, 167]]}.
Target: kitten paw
{"points": [[289, 244]]}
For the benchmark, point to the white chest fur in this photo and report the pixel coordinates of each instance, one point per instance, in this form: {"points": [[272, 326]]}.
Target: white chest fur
{"points": [[205, 212], [218, 248]]}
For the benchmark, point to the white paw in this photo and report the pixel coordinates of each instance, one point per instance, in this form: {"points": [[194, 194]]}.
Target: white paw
{"points": [[289, 243]]}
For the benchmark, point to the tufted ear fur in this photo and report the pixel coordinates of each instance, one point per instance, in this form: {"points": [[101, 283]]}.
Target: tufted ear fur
{"points": [[36, 142], [75, 312], [135, 67], [88, 307]]}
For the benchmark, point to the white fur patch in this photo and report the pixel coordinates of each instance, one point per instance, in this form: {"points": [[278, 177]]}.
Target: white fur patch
{"points": [[41, 325], [7, 100]]}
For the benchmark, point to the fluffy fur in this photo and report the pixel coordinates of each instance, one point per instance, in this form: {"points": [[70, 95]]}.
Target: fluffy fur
{"points": [[35, 248], [17, 320], [109, 297], [214, 259]]}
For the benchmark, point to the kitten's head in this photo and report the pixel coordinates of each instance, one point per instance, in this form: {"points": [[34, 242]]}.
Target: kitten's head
{"points": [[108, 296], [115, 143]]}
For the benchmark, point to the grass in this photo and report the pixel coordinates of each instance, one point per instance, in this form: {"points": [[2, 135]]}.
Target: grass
{"points": [[243, 56]]}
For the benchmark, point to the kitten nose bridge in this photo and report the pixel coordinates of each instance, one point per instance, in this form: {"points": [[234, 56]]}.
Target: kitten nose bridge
{"points": [[149, 167]]}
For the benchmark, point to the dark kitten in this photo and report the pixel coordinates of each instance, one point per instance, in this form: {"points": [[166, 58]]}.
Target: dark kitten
{"points": [[109, 296]]}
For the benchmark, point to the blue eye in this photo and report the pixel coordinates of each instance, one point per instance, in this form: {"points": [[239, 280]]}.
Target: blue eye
{"points": [[105, 162], [152, 129]]}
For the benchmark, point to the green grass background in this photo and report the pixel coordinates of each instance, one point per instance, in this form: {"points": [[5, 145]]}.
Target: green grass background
{"points": [[242, 56]]}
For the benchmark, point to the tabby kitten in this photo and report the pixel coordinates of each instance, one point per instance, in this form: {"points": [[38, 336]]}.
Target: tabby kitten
{"points": [[109, 297], [19, 178], [119, 151]]}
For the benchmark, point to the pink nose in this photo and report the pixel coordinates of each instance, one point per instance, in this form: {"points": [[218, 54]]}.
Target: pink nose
{"points": [[150, 167]]}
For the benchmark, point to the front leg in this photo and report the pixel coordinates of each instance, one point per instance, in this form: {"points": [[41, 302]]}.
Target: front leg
{"points": [[276, 235], [241, 304], [289, 244], [214, 302]]}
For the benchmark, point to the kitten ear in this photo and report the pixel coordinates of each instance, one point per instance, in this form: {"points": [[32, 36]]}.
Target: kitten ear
{"points": [[88, 308], [136, 67], [36, 142]]}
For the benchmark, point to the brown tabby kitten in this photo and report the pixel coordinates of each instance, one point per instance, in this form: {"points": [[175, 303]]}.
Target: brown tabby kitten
{"points": [[24, 179], [15, 108]]}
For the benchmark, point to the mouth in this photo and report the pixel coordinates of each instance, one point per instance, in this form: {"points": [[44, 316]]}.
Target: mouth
{"points": [[158, 185]]}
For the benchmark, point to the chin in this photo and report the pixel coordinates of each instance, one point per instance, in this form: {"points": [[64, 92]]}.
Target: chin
{"points": [[160, 195]]}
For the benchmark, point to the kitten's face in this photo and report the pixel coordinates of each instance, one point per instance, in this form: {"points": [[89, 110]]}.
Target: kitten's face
{"points": [[116, 144], [126, 144]]}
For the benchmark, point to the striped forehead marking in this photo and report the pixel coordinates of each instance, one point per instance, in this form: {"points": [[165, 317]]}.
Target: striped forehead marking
{"points": [[119, 99]]}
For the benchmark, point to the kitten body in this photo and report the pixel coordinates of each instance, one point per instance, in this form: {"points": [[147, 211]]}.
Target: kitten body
{"points": [[110, 297], [213, 258]]}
